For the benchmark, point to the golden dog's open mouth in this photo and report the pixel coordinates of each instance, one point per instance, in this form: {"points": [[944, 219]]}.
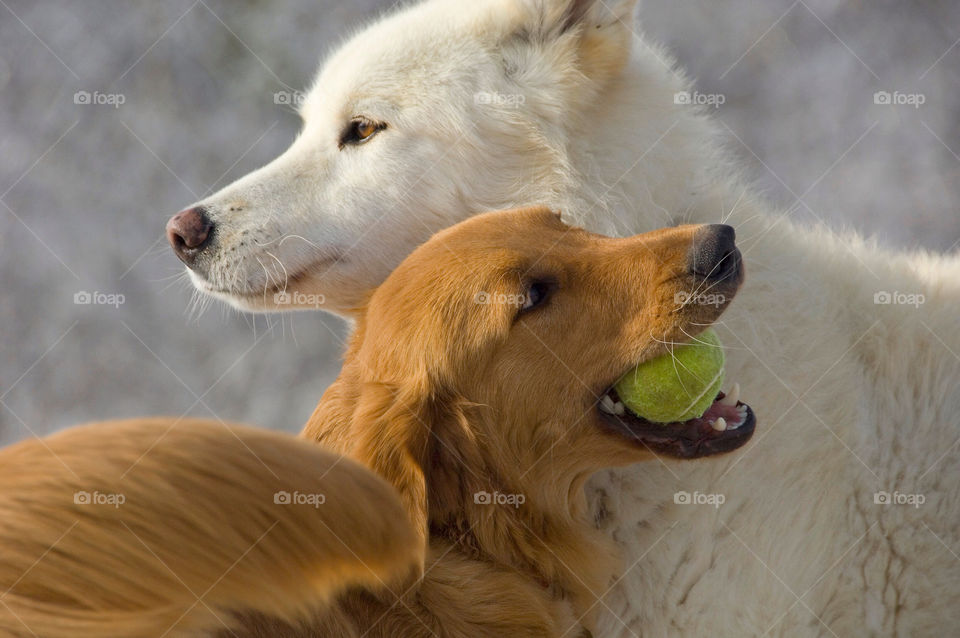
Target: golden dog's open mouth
{"points": [[726, 425]]}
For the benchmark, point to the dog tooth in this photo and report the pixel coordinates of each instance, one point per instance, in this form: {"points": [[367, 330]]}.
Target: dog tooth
{"points": [[742, 418], [732, 396], [720, 424], [606, 404], [618, 408]]}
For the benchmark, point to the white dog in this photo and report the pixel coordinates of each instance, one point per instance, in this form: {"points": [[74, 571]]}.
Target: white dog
{"points": [[842, 517]]}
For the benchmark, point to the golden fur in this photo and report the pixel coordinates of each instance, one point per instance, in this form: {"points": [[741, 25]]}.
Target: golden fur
{"points": [[447, 391], [197, 534]]}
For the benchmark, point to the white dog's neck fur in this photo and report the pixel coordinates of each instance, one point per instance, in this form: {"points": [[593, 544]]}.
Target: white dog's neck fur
{"points": [[852, 399]]}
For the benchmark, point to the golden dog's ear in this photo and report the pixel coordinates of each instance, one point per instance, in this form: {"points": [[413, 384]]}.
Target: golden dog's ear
{"points": [[390, 432]]}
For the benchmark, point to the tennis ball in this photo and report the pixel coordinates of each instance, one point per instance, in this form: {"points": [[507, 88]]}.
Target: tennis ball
{"points": [[678, 386]]}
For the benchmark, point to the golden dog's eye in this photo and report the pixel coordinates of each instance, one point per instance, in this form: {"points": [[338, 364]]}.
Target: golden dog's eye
{"points": [[536, 294], [360, 130]]}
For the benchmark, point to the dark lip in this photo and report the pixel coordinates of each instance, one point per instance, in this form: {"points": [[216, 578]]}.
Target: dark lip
{"points": [[691, 439]]}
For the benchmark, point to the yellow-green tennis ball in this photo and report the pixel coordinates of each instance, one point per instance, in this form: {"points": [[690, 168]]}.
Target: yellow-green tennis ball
{"points": [[678, 386]]}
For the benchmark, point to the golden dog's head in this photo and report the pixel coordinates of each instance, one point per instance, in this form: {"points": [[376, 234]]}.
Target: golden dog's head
{"points": [[478, 368]]}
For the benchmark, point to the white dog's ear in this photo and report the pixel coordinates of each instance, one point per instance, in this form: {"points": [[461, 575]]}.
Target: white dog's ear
{"points": [[600, 30], [561, 16]]}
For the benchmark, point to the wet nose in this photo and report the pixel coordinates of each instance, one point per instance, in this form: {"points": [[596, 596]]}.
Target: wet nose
{"points": [[714, 255], [188, 232]]}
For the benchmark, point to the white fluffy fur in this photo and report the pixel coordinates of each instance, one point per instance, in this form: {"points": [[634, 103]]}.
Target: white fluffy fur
{"points": [[852, 397]]}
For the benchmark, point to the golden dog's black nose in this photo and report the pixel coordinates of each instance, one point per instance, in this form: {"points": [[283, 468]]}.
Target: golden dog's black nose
{"points": [[714, 255]]}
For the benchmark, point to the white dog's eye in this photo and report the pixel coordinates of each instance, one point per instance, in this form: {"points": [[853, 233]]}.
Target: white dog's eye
{"points": [[359, 130]]}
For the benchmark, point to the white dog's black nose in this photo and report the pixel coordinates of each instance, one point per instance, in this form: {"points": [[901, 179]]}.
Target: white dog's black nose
{"points": [[188, 232], [714, 255]]}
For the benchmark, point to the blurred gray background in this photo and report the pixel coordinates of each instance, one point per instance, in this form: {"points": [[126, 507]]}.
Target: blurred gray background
{"points": [[85, 189]]}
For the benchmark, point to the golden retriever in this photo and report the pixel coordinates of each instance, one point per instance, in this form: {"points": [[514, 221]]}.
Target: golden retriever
{"points": [[472, 388]]}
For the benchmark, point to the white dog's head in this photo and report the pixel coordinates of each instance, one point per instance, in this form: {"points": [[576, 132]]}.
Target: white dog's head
{"points": [[435, 113]]}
